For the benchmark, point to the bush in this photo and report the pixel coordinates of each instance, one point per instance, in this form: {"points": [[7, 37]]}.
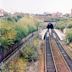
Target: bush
{"points": [[66, 23], [27, 25], [7, 33], [12, 32], [29, 53], [60, 25], [68, 35]]}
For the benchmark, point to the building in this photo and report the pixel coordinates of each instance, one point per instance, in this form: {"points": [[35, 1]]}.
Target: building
{"points": [[57, 15], [71, 12], [1, 12]]}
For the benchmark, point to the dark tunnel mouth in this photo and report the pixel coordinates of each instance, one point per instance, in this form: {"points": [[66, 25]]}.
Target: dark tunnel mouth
{"points": [[50, 26]]}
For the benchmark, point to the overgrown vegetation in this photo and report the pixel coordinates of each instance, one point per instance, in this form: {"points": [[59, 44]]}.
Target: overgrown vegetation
{"points": [[66, 25], [12, 31], [7, 33], [28, 55], [30, 52], [68, 34]]}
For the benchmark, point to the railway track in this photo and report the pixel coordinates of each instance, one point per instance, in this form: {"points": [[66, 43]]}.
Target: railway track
{"points": [[16, 49], [63, 52], [54, 59], [50, 67]]}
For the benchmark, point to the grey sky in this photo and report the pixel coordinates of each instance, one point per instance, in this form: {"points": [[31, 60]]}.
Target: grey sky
{"points": [[36, 6]]}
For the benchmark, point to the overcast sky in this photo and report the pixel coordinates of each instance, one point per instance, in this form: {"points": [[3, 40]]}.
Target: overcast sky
{"points": [[36, 6]]}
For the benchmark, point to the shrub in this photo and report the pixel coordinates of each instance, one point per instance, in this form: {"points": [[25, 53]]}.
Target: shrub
{"points": [[66, 23], [12, 32], [27, 25], [7, 33], [29, 53], [68, 35], [60, 25]]}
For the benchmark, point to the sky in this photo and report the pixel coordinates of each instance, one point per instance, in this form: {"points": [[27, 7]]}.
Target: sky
{"points": [[36, 6]]}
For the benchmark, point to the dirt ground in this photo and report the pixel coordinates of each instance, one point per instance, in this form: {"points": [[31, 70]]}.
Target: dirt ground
{"points": [[41, 56]]}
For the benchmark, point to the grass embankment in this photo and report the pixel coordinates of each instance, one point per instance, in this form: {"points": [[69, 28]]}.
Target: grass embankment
{"points": [[65, 25], [12, 32], [28, 55]]}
